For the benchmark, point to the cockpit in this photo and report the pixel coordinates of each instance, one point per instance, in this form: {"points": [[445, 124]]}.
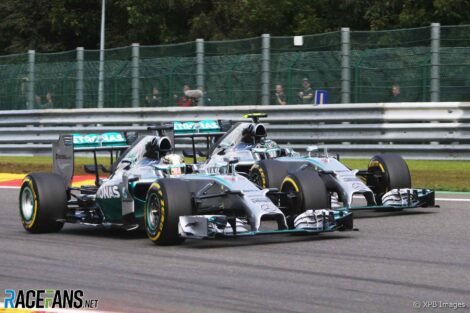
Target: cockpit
{"points": [[151, 156]]}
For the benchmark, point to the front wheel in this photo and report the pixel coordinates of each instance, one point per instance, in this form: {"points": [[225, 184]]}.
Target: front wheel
{"points": [[43, 202], [304, 190], [268, 173], [167, 200], [387, 172]]}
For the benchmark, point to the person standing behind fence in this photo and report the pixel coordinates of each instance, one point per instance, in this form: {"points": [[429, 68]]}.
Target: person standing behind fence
{"points": [[279, 96], [155, 100], [184, 101], [47, 104], [395, 94], [306, 96]]}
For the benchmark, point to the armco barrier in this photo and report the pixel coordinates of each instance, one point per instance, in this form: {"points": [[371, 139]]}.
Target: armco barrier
{"points": [[415, 130]]}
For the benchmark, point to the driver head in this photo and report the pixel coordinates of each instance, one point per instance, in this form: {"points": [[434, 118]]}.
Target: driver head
{"points": [[175, 164]]}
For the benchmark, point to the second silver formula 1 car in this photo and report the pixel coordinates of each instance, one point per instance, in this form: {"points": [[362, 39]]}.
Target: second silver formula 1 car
{"points": [[385, 184]]}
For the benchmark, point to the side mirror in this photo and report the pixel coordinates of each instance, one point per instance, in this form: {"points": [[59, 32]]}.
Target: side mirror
{"points": [[312, 148], [224, 145]]}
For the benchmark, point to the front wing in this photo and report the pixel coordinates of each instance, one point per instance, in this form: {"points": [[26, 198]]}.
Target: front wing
{"points": [[400, 199], [221, 226]]}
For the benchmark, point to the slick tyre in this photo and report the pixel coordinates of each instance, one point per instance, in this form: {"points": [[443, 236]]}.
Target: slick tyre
{"points": [[388, 171], [43, 202], [268, 173], [167, 200], [304, 190]]}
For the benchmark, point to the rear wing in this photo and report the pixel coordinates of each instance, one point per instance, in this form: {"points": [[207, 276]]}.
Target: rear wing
{"points": [[204, 126], [63, 151], [109, 139], [210, 130]]}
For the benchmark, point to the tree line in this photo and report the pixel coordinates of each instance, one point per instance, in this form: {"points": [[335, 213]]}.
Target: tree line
{"points": [[58, 25]]}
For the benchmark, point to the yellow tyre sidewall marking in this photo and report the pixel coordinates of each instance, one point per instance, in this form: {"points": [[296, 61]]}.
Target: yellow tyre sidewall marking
{"points": [[35, 207], [290, 180], [262, 175], [159, 228], [381, 167], [376, 163]]}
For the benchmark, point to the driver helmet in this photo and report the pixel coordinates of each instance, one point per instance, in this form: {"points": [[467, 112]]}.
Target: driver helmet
{"points": [[175, 164]]}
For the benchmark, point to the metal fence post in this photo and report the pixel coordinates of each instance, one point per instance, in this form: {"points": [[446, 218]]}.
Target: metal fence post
{"points": [[135, 76], [435, 47], [30, 88], [79, 83], [265, 70], [345, 65], [200, 68]]}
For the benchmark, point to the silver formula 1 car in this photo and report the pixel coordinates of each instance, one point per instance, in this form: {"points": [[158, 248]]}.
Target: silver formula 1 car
{"points": [[385, 184], [150, 187]]}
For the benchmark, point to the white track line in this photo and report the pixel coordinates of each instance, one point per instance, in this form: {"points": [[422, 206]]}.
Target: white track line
{"points": [[452, 200]]}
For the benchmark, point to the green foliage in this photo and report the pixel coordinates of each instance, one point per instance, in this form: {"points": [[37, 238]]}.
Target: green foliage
{"points": [[52, 25]]}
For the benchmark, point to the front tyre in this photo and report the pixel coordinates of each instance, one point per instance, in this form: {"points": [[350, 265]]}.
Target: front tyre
{"points": [[268, 173], [387, 172], [304, 190], [167, 200], [43, 202]]}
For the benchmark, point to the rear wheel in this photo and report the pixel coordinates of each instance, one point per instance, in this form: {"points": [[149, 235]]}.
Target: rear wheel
{"points": [[388, 171], [167, 200], [305, 190], [268, 173], [43, 202]]}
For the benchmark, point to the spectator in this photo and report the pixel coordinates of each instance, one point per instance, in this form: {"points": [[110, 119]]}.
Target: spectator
{"points": [[48, 102], [306, 96], [155, 100], [279, 96], [184, 101], [396, 94]]}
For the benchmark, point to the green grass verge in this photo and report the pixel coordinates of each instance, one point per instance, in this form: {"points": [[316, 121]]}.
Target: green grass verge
{"points": [[438, 175], [25, 164]]}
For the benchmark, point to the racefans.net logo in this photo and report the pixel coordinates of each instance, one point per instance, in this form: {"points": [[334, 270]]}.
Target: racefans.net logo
{"points": [[47, 299]]}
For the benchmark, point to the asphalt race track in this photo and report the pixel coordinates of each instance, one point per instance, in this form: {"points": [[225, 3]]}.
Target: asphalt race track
{"points": [[394, 263]]}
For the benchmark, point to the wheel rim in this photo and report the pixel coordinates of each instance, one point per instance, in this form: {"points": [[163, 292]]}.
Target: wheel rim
{"points": [[153, 214], [256, 178], [27, 203], [379, 180], [293, 198]]}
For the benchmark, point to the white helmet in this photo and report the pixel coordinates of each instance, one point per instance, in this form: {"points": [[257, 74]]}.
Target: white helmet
{"points": [[175, 164]]}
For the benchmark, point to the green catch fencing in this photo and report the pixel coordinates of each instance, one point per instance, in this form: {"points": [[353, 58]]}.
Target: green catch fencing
{"points": [[382, 59], [427, 63], [318, 60]]}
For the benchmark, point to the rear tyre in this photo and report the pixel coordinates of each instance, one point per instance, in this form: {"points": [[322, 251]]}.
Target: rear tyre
{"points": [[305, 190], [43, 202], [389, 171], [268, 173], [167, 200]]}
